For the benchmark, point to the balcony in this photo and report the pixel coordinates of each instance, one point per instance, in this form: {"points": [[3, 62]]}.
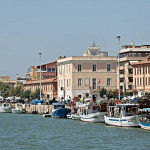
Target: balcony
{"points": [[95, 89]]}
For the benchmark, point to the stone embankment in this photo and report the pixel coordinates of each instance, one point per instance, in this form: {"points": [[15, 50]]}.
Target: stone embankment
{"points": [[37, 109]]}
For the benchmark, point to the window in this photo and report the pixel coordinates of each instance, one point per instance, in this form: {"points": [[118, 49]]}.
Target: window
{"points": [[53, 69], [108, 81], [140, 55], [133, 54], [94, 67], [94, 83], [49, 69], [146, 54], [108, 67], [87, 82], [130, 71], [79, 82], [79, 68]]}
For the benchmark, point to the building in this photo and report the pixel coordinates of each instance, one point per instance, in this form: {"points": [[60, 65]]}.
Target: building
{"points": [[48, 71], [7, 80], [128, 55], [79, 76], [141, 75], [48, 79], [48, 87]]}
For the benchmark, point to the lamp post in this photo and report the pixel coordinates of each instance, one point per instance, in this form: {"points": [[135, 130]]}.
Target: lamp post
{"points": [[118, 37], [40, 74]]}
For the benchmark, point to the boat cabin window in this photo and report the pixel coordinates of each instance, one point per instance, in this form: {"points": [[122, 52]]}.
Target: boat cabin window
{"points": [[59, 106]]}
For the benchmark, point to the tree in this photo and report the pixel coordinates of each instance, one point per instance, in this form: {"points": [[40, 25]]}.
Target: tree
{"points": [[26, 94], [110, 94], [35, 94], [103, 92], [4, 88], [16, 91]]}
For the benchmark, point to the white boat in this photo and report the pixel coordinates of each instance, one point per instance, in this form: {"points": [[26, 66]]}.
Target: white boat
{"points": [[5, 108], [75, 117], [145, 119], [17, 109], [123, 115], [91, 113]]}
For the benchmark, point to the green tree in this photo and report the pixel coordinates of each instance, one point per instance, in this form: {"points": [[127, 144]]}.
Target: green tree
{"points": [[103, 92], [35, 94], [16, 91], [110, 94], [4, 88], [26, 94]]}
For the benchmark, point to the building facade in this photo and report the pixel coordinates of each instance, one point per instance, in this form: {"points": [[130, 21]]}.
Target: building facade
{"points": [[79, 76], [129, 55], [141, 75], [48, 79], [48, 71]]}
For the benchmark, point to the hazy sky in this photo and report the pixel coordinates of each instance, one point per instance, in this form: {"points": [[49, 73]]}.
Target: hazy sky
{"points": [[66, 27]]}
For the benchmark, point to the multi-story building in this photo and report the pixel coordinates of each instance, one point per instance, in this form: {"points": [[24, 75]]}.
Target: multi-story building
{"points": [[128, 55], [48, 79], [48, 71], [79, 76], [7, 80], [141, 75]]}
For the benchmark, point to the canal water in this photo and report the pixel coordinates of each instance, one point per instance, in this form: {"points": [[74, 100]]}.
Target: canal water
{"points": [[33, 132]]}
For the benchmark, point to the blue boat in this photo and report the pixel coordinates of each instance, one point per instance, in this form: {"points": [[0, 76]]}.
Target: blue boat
{"points": [[59, 110], [145, 120], [35, 102]]}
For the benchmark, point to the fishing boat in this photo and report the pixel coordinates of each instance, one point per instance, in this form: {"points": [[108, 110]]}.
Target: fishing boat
{"points": [[123, 115], [59, 110], [145, 119], [92, 112], [17, 109], [5, 108], [75, 117]]}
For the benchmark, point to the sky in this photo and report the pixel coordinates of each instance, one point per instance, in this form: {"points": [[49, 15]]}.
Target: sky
{"points": [[66, 28]]}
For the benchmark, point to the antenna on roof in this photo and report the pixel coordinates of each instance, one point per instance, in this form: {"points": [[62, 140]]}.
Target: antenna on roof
{"points": [[94, 44]]}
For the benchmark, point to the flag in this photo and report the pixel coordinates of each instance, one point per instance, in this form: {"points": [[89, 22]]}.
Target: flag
{"points": [[99, 81]]}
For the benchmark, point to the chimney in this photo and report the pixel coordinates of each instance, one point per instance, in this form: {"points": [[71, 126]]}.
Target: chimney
{"points": [[132, 43]]}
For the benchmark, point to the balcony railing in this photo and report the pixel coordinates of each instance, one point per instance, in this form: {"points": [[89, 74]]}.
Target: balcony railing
{"points": [[95, 88]]}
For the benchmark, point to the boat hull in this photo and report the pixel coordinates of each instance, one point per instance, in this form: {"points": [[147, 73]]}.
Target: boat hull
{"points": [[17, 111], [145, 126], [94, 117], [5, 109], [127, 121], [75, 117], [60, 113]]}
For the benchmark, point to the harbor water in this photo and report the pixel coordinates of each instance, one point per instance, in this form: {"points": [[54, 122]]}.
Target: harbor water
{"points": [[33, 132]]}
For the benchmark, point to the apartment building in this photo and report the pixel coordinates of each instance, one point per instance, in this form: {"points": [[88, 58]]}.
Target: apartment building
{"points": [[129, 55], [48, 79], [141, 75], [79, 76]]}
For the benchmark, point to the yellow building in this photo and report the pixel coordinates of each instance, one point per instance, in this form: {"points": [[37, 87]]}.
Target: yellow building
{"points": [[129, 55], [141, 75], [79, 75]]}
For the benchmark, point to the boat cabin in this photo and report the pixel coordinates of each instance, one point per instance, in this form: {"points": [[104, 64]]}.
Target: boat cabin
{"points": [[122, 110], [58, 105], [85, 109], [145, 116]]}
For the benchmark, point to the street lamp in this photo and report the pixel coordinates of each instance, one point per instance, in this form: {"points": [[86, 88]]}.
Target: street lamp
{"points": [[40, 74], [118, 37]]}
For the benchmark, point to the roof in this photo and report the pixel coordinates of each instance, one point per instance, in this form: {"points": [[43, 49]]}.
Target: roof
{"points": [[60, 104], [126, 50], [146, 61], [38, 81]]}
